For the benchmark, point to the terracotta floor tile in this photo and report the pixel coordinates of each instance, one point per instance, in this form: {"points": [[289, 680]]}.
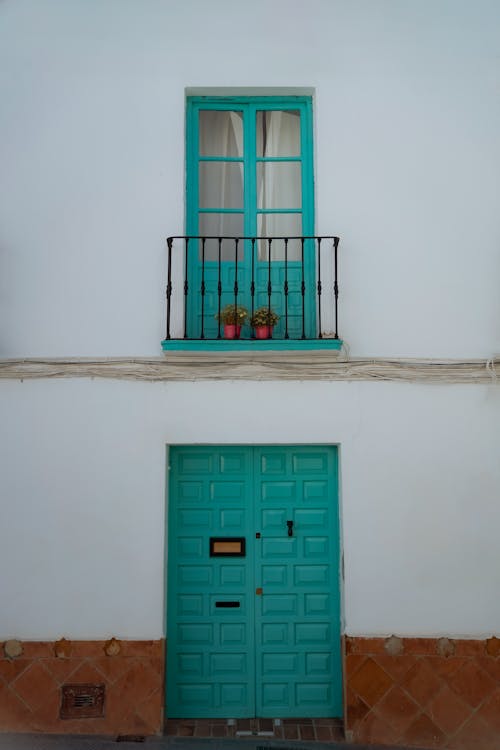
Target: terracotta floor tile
{"points": [[137, 683], [356, 709], [307, 732], [370, 646], [291, 732], [87, 672], [469, 648], [218, 730], [61, 669], [396, 666], [472, 683], [422, 683], [490, 665], [140, 649], [370, 682], [87, 649], [14, 714], [353, 662], [375, 730], [323, 734], [112, 668], [150, 711], [46, 717], [12, 668], [266, 725], [33, 685], [201, 731], [420, 646], [37, 649], [397, 709], [171, 726], [445, 666], [474, 735], [184, 731], [338, 734], [490, 711], [423, 733], [448, 711]]}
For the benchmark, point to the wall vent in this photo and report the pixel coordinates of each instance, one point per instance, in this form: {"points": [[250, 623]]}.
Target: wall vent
{"points": [[82, 701]]}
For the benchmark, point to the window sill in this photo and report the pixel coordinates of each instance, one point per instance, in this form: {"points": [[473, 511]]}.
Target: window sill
{"points": [[250, 345]]}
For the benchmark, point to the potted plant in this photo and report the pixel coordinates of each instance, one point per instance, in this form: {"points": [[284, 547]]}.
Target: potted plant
{"points": [[263, 321], [232, 317]]}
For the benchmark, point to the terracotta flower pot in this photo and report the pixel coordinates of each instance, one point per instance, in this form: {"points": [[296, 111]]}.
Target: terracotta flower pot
{"points": [[231, 331], [263, 332]]}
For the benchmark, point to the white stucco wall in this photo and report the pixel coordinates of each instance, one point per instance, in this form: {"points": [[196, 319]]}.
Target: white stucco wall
{"points": [[407, 116], [83, 488], [407, 149]]}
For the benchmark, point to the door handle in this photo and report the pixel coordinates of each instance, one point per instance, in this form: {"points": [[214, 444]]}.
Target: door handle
{"points": [[290, 528]]}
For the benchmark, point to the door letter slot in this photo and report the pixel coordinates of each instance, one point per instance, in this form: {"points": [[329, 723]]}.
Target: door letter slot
{"points": [[226, 546], [227, 605]]}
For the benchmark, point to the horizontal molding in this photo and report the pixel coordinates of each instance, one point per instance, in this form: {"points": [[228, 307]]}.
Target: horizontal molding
{"points": [[293, 365]]}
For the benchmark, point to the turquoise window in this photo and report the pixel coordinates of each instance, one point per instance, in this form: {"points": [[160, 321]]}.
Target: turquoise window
{"points": [[250, 174]]}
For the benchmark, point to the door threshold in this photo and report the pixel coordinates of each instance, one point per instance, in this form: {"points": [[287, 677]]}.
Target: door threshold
{"points": [[305, 729]]}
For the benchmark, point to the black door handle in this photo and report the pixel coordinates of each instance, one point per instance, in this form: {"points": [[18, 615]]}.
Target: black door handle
{"points": [[290, 528]]}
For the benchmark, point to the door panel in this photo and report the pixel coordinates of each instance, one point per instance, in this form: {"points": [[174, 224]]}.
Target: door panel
{"points": [[259, 634], [297, 617], [209, 672]]}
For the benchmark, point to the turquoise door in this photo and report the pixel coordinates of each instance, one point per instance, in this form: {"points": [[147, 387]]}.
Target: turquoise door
{"points": [[250, 173], [253, 619]]}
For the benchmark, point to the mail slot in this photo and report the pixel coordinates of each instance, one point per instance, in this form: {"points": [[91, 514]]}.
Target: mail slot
{"points": [[226, 605], [225, 546]]}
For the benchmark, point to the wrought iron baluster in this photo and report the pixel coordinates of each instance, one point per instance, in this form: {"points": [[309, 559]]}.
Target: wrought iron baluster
{"points": [[286, 288], [219, 285], [236, 288], [335, 284], [269, 288], [169, 283], [320, 334], [303, 289], [252, 285], [186, 286], [236, 240], [202, 334]]}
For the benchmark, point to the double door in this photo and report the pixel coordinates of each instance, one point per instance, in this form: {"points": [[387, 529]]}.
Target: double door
{"points": [[253, 620]]}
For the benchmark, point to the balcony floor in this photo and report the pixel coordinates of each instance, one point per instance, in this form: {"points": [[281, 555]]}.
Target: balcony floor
{"points": [[250, 345]]}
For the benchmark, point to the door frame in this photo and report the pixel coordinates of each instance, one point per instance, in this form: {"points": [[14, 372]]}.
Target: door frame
{"points": [[341, 571]]}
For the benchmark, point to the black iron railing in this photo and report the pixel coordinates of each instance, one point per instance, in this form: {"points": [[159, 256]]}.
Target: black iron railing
{"points": [[294, 277]]}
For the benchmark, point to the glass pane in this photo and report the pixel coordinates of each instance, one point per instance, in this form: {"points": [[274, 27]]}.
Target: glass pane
{"points": [[221, 225], [280, 225], [278, 133], [221, 184], [279, 184], [220, 133]]}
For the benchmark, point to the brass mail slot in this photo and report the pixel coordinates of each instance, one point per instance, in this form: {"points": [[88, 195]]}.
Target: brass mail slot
{"points": [[227, 546]]}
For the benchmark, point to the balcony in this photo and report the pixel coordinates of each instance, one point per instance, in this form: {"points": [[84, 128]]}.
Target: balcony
{"points": [[211, 278]]}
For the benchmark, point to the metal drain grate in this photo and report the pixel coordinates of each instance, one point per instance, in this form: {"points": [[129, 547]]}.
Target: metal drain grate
{"points": [[83, 701]]}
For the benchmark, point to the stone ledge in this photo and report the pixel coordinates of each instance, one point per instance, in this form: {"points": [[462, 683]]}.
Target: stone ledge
{"points": [[293, 365]]}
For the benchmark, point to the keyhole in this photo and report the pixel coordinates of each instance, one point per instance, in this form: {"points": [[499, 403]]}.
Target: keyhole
{"points": [[290, 528]]}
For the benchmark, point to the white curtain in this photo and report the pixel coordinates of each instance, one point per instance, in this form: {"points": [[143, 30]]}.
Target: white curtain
{"points": [[279, 183]]}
